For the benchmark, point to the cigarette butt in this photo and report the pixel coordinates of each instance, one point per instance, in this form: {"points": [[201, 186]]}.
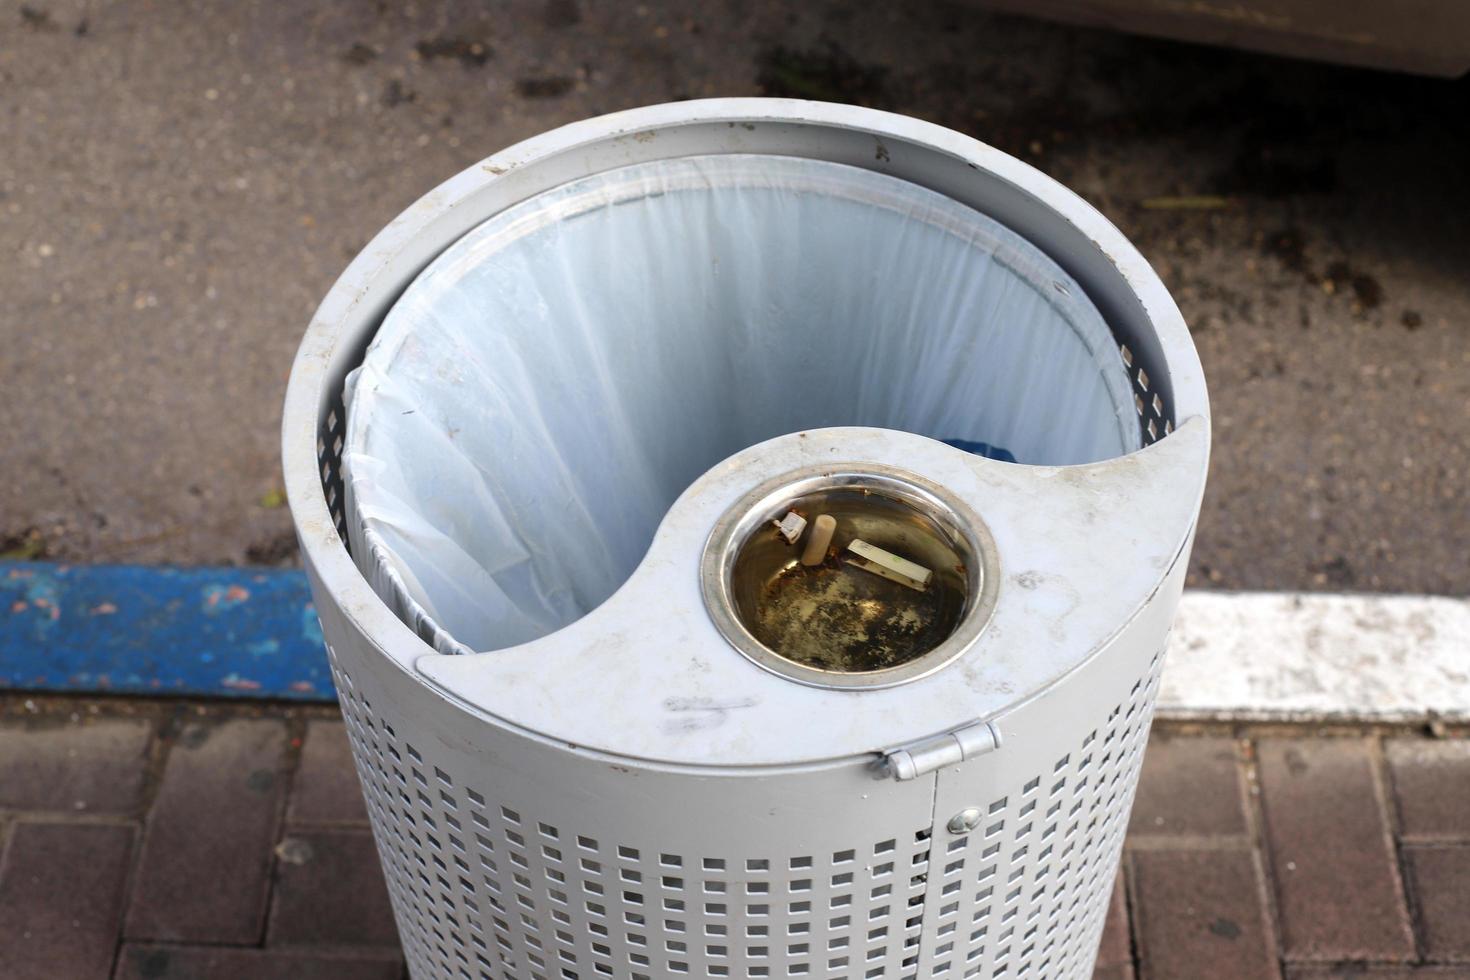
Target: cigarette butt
{"points": [[873, 559], [791, 527], [819, 540]]}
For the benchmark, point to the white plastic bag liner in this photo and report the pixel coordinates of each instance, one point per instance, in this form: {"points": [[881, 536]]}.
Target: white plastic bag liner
{"points": [[542, 393]]}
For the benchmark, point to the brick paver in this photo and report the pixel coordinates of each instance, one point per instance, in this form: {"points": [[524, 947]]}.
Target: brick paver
{"points": [[205, 866], [1431, 781], [220, 963], [1189, 786], [1115, 955], [1440, 880], [1201, 914], [1355, 971], [89, 765], [245, 868], [326, 789], [1336, 873], [335, 870], [61, 898]]}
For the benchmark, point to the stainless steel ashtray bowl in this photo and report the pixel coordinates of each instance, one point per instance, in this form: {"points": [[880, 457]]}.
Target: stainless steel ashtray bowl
{"points": [[903, 585]]}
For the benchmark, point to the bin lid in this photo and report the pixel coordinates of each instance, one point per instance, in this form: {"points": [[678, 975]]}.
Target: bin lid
{"points": [[1080, 551]]}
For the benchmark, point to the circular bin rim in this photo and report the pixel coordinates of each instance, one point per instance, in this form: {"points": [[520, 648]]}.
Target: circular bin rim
{"points": [[904, 147]]}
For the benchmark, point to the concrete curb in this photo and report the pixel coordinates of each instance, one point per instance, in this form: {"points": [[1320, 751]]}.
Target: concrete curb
{"points": [[252, 633], [158, 630], [1291, 656]]}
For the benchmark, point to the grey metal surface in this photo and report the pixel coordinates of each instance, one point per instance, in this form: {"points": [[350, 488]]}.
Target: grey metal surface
{"points": [[508, 857], [778, 846], [513, 858], [1024, 893], [1054, 617]]}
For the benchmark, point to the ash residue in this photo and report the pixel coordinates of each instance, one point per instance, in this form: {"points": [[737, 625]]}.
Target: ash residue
{"points": [[834, 617]]}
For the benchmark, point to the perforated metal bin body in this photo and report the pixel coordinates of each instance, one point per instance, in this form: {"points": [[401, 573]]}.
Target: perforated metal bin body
{"points": [[599, 812]]}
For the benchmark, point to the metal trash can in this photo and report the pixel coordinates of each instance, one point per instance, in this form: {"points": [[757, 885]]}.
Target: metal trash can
{"points": [[869, 706]]}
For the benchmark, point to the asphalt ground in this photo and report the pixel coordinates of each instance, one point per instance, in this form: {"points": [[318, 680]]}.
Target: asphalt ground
{"points": [[181, 182]]}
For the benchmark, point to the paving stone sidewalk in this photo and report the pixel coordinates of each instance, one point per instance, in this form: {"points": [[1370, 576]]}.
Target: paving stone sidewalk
{"points": [[162, 840]]}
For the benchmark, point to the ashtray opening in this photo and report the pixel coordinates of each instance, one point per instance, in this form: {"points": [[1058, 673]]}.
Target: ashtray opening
{"points": [[850, 579]]}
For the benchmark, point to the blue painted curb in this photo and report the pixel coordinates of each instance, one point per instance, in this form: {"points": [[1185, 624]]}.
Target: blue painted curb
{"points": [[130, 629]]}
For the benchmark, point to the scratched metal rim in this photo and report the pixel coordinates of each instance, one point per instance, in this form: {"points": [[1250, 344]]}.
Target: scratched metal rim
{"points": [[768, 501]]}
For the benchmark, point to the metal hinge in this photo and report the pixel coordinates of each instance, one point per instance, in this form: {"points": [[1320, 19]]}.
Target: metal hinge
{"points": [[924, 757]]}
